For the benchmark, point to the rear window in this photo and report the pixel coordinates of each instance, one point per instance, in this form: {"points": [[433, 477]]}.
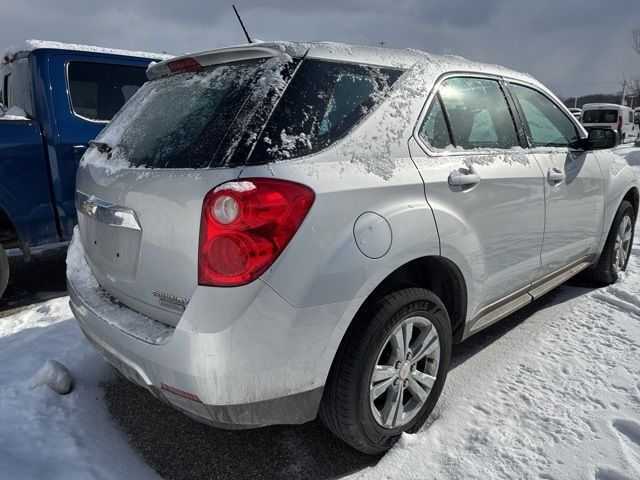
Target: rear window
{"points": [[323, 102], [98, 90], [200, 118], [599, 116], [222, 115]]}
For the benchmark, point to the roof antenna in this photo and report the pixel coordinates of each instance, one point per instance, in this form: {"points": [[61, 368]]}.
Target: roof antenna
{"points": [[246, 34]]}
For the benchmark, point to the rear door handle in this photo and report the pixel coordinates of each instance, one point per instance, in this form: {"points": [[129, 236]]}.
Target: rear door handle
{"points": [[555, 175], [463, 179]]}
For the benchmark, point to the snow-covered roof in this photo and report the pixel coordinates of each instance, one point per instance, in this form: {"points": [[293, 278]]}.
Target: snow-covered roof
{"points": [[31, 45], [382, 56]]}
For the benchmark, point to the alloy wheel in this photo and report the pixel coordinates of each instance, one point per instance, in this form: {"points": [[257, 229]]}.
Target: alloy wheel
{"points": [[622, 246], [405, 372]]}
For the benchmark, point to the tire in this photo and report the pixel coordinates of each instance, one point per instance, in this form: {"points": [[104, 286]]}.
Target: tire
{"points": [[347, 409], [4, 270], [606, 271]]}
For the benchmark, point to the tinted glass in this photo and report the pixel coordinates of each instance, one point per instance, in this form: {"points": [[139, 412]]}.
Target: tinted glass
{"points": [[600, 116], [19, 87], [434, 128], [321, 104], [198, 119], [548, 124], [478, 113], [99, 90]]}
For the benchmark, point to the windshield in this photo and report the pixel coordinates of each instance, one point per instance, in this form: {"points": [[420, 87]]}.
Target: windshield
{"points": [[600, 116], [183, 120]]}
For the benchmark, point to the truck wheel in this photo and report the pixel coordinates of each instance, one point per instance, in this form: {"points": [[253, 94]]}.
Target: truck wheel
{"points": [[389, 371], [4, 270], [617, 250]]}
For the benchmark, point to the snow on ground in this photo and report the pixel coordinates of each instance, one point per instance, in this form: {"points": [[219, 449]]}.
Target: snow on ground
{"points": [[44, 435], [556, 397]]}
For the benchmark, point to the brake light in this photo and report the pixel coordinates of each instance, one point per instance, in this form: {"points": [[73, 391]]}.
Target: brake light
{"points": [[181, 65], [619, 122], [244, 227]]}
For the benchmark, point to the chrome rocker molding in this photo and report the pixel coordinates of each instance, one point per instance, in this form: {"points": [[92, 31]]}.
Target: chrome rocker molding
{"points": [[509, 304]]}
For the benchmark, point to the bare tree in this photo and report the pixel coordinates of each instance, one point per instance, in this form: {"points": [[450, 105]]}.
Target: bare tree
{"points": [[635, 39]]}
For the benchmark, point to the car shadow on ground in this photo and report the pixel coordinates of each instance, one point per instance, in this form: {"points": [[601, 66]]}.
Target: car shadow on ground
{"points": [[38, 280], [178, 447]]}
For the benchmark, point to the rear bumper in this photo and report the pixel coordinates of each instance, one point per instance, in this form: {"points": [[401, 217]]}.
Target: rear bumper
{"points": [[266, 366]]}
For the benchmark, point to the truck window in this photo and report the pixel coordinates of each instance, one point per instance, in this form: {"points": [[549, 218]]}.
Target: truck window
{"points": [[98, 90]]}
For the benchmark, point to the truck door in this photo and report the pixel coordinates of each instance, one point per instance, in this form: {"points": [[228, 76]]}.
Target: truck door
{"points": [[24, 189], [88, 90]]}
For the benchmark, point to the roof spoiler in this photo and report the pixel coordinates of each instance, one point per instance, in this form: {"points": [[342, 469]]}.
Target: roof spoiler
{"points": [[212, 57]]}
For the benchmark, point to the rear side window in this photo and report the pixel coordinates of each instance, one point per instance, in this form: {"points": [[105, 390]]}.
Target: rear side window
{"points": [[549, 126], [600, 116], [323, 102], [477, 112], [99, 90]]}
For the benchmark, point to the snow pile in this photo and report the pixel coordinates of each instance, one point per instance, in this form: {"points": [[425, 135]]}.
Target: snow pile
{"points": [[115, 314], [45, 435], [14, 113], [31, 45], [54, 375]]}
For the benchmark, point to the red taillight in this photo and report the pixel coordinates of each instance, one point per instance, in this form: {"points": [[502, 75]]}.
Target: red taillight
{"points": [[245, 225], [184, 65], [619, 122]]}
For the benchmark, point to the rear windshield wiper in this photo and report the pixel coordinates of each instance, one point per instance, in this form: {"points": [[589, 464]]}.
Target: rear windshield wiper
{"points": [[101, 146]]}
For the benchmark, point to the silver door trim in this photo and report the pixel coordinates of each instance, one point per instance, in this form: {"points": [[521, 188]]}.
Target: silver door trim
{"points": [[498, 310]]}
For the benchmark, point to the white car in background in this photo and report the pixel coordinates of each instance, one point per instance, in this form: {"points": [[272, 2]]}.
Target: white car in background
{"points": [[610, 115]]}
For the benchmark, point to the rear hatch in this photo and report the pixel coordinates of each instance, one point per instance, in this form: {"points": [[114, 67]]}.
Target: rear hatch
{"points": [[141, 185]]}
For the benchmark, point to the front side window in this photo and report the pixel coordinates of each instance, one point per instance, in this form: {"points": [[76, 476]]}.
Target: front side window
{"points": [[548, 125], [99, 90], [477, 112]]}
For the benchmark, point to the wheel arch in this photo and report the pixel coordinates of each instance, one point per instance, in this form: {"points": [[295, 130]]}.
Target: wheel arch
{"points": [[633, 197], [435, 273], [9, 236]]}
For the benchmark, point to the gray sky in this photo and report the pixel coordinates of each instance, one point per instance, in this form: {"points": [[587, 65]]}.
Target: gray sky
{"points": [[573, 46]]}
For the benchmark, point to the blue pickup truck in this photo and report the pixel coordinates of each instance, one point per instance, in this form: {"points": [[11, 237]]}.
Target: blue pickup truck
{"points": [[54, 98]]}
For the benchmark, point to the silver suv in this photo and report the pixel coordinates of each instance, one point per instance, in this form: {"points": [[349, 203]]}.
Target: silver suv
{"points": [[277, 231]]}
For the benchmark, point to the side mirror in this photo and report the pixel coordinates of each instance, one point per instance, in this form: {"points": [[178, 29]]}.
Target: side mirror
{"points": [[601, 138]]}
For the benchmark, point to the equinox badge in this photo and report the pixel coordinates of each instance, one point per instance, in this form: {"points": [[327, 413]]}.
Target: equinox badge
{"points": [[171, 301]]}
